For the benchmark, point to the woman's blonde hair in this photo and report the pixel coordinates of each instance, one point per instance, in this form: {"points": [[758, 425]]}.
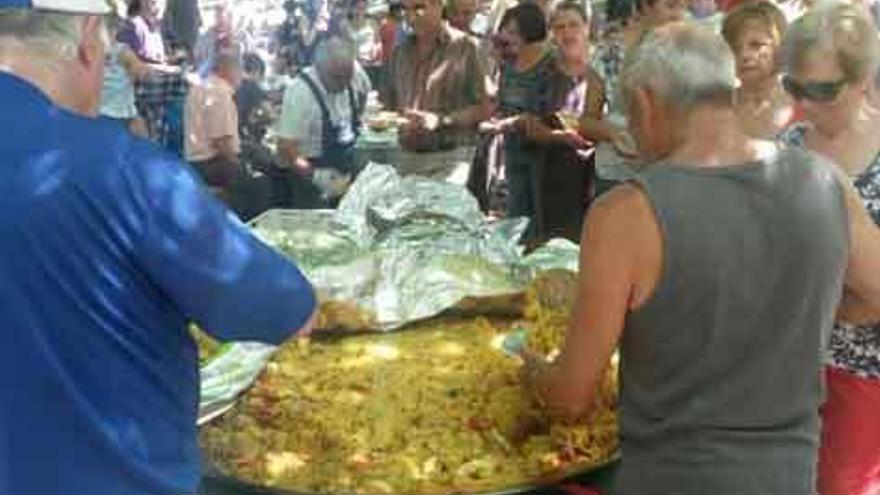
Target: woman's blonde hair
{"points": [[762, 12], [845, 31]]}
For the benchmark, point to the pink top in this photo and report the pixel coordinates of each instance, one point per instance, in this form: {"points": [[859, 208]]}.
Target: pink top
{"points": [[210, 115]]}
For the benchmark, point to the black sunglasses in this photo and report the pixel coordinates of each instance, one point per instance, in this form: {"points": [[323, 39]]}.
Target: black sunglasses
{"points": [[820, 92]]}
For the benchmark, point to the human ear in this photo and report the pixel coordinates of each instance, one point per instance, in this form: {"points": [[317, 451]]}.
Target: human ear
{"points": [[642, 126], [92, 42]]}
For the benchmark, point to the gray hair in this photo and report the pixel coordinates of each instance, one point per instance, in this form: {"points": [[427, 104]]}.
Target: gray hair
{"points": [[335, 46], [53, 35], [844, 31], [684, 65]]}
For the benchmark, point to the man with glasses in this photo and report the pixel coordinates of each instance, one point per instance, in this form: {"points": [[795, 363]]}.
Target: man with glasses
{"points": [[437, 81], [110, 248]]}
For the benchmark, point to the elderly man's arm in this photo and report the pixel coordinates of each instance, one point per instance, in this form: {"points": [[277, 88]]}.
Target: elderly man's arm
{"points": [[481, 94], [620, 265], [210, 265], [536, 130], [288, 150], [861, 302], [298, 112], [469, 117], [226, 149], [465, 117], [422, 122]]}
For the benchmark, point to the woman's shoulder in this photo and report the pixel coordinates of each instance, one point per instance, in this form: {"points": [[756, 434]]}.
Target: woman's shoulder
{"points": [[868, 183]]}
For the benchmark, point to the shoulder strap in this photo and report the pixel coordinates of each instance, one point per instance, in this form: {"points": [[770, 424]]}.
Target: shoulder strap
{"points": [[319, 96], [355, 111]]}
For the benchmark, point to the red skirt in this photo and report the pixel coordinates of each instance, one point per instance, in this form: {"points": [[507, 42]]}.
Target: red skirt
{"points": [[849, 457]]}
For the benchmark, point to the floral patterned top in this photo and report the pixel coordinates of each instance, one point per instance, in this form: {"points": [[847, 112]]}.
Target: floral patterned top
{"points": [[854, 349]]}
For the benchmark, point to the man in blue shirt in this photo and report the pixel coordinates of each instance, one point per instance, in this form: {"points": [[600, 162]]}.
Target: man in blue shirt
{"points": [[109, 247]]}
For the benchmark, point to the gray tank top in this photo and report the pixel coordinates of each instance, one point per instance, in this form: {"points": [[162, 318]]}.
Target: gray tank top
{"points": [[721, 368]]}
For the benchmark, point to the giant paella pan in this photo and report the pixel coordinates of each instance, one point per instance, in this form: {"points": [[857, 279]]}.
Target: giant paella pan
{"points": [[437, 408]]}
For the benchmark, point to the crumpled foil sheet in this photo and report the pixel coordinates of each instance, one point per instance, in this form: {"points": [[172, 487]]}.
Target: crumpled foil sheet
{"points": [[398, 249]]}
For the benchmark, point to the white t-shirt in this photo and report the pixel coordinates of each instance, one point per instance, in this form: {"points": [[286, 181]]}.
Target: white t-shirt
{"points": [[301, 119]]}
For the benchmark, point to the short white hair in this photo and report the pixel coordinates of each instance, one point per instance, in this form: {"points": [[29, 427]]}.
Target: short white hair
{"points": [[53, 35], [337, 46], [684, 65]]}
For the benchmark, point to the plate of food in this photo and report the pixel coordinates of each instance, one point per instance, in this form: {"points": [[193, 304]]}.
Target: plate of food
{"points": [[384, 121]]}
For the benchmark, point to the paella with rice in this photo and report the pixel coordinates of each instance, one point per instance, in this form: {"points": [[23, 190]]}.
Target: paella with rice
{"points": [[435, 409]]}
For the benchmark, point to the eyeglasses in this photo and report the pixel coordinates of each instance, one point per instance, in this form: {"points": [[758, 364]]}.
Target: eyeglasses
{"points": [[819, 92]]}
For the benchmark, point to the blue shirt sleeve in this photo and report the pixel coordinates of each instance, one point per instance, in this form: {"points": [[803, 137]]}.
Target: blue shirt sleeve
{"points": [[211, 265]]}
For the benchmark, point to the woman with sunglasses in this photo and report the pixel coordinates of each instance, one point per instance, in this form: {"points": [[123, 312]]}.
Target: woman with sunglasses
{"points": [[830, 55], [754, 32]]}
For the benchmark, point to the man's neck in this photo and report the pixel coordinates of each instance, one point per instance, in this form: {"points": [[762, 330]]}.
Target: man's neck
{"points": [[218, 76], [429, 38], [712, 137], [49, 81], [576, 63]]}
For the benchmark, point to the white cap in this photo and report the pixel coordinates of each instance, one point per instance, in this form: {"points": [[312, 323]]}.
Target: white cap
{"points": [[72, 6]]}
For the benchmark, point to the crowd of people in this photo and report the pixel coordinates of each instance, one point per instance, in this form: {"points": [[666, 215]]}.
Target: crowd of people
{"points": [[524, 97], [718, 163]]}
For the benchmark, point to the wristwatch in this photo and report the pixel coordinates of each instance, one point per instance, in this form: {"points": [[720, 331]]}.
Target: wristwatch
{"points": [[446, 121]]}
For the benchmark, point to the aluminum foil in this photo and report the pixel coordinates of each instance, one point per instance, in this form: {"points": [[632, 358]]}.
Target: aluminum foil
{"points": [[398, 249], [403, 249], [352, 209], [328, 252], [557, 254], [415, 198], [229, 374]]}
